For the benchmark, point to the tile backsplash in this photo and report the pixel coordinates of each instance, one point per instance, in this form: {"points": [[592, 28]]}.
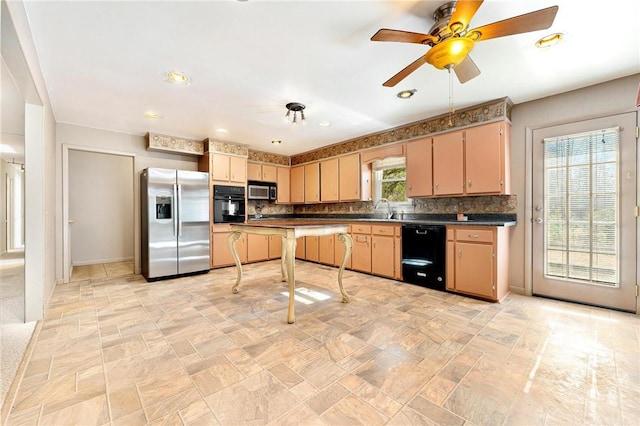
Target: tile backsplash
{"points": [[468, 205]]}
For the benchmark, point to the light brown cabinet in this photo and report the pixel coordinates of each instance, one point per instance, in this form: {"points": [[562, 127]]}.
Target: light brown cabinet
{"points": [[227, 168], [311, 248], [261, 172], [220, 253], [397, 253], [361, 254], [477, 261], [329, 180], [257, 247], [326, 249], [383, 250], [300, 248], [312, 183], [448, 164], [419, 168], [275, 246], [283, 181], [297, 184], [487, 154], [349, 177]]}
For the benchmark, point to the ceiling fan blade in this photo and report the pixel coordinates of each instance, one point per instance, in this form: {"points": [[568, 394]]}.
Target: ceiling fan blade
{"points": [[386, 34], [533, 21], [405, 72], [466, 70], [463, 13]]}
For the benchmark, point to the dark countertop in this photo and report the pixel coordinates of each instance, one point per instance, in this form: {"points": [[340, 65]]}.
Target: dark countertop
{"points": [[406, 218]]}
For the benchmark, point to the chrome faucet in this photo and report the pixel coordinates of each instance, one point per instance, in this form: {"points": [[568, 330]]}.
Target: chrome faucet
{"points": [[389, 210]]}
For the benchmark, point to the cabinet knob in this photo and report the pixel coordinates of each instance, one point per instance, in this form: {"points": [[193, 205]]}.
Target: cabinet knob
{"points": [[473, 235], [470, 183]]}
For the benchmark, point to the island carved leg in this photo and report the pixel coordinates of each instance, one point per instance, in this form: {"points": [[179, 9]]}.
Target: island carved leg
{"points": [[283, 260], [345, 239], [231, 243], [291, 265]]}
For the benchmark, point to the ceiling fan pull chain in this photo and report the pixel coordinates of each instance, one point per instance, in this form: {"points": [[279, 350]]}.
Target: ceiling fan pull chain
{"points": [[451, 110]]}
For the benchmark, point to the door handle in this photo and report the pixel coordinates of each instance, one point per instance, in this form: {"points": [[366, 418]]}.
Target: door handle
{"points": [[175, 209], [539, 220]]}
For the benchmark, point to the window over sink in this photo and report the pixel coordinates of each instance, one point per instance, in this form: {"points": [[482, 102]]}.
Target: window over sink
{"points": [[390, 182]]}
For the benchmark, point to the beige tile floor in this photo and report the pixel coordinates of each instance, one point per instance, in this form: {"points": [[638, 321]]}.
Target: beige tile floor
{"points": [[122, 351], [101, 270]]}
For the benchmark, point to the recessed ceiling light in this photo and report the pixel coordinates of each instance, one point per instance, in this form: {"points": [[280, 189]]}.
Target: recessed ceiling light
{"points": [[176, 77], [151, 114], [406, 94], [276, 142], [222, 130], [324, 123], [549, 40]]}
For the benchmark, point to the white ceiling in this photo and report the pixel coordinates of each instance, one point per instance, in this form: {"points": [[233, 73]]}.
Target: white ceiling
{"points": [[102, 63]]}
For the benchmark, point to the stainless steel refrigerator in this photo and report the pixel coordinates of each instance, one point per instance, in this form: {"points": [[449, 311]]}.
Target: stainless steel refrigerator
{"points": [[175, 222]]}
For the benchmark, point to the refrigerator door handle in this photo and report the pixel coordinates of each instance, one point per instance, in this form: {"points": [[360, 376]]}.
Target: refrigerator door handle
{"points": [[179, 210], [175, 210]]}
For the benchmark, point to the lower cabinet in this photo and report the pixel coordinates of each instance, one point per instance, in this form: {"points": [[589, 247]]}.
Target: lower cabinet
{"points": [[275, 246], [383, 250], [257, 247], [477, 261], [361, 254], [300, 248], [326, 249], [311, 249], [220, 253]]}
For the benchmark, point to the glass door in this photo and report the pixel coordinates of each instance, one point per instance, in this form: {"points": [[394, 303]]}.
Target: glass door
{"points": [[584, 231]]}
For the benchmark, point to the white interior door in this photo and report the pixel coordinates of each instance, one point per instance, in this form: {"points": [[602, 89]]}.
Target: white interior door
{"points": [[584, 196]]}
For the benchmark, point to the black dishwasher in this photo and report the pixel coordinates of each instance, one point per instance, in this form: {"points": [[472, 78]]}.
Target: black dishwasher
{"points": [[423, 255]]}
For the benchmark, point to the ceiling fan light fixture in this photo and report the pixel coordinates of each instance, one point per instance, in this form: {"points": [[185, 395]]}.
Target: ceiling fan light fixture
{"points": [[296, 107], [549, 40], [449, 52], [151, 114], [276, 141]]}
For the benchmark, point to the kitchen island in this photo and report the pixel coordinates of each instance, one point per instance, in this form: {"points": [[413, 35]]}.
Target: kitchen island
{"points": [[289, 233]]}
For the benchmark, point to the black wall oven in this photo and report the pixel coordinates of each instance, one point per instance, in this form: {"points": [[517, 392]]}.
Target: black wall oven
{"points": [[228, 204], [423, 255]]}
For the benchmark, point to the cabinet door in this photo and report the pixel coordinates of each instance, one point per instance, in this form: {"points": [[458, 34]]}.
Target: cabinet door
{"points": [[300, 248], [269, 173], [397, 258], [238, 169], [349, 178], [311, 248], [220, 167], [257, 247], [297, 184], [382, 256], [419, 168], [326, 249], [474, 269], [339, 253], [283, 179], [484, 153], [450, 276], [329, 180], [312, 183], [361, 255], [221, 255], [254, 171], [275, 246], [448, 158]]}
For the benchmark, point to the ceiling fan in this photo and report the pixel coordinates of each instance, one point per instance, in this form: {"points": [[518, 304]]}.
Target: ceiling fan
{"points": [[451, 40]]}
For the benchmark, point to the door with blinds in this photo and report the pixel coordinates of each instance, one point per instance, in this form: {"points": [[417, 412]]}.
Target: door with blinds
{"points": [[584, 220]]}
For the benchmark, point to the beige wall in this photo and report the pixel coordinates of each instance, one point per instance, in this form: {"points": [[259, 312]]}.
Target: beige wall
{"points": [[601, 100], [83, 138]]}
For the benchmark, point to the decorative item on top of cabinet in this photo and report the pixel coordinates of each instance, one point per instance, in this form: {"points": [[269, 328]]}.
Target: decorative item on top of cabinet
{"points": [[283, 181], [261, 172], [419, 168], [477, 261]]}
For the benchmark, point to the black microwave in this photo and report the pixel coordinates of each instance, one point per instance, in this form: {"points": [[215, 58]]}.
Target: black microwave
{"points": [[257, 190]]}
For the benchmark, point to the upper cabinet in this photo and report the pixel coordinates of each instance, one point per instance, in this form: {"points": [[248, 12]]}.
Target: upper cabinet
{"points": [[349, 176], [448, 164], [312, 183], [297, 184], [283, 181], [419, 168], [329, 180], [223, 167], [487, 154], [261, 172]]}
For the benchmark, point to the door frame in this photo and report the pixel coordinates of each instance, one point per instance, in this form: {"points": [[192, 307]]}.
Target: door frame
{"points": [[66, 247], [528, 206]]}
